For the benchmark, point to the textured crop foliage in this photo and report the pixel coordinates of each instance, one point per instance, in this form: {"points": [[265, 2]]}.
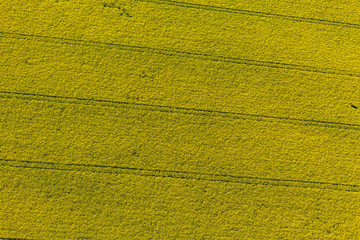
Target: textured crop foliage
{"points": [[169, 119]]}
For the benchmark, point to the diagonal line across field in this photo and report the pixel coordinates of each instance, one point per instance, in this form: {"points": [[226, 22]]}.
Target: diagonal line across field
{"points": [[178, 110], [178, 53], [1, 238], [187, 175], [253, 13]]}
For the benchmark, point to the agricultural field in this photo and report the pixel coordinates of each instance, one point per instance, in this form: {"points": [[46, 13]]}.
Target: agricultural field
{"points": [[169, 119]]}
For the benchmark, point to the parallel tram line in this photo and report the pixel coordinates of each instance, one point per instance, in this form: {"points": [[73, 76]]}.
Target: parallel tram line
{"points": [[4, 238], [185, 54], [177, 110], [186, 175], [253, 13]]}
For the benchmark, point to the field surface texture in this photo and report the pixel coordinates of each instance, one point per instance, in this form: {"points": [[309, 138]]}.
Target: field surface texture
{"points": [[179, 119]]}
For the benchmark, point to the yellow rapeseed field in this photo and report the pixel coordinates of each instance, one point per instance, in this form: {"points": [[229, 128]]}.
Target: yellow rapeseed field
{"points": [[179, 119]]}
